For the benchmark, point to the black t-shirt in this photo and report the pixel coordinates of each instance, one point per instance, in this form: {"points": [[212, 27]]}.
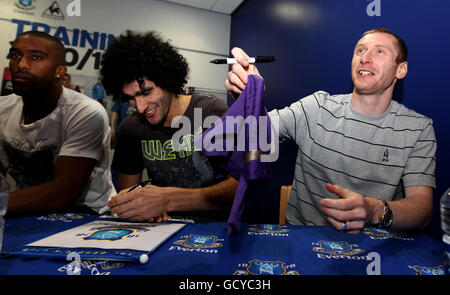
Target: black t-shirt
{"points": [[142, 145]]}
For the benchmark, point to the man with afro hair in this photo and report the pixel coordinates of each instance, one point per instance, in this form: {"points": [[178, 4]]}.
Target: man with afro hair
{"points": [[151, 73]]}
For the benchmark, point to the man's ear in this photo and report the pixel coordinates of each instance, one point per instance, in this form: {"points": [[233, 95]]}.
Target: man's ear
{"points": [[402, 70], [60, 71]]}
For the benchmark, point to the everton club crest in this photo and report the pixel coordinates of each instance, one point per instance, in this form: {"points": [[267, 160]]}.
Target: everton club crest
{"points": [[266, 267], [268, 229], [114, 233], [199, 241], [382, 234], [428, 271], [26, 4], [336, 248]]}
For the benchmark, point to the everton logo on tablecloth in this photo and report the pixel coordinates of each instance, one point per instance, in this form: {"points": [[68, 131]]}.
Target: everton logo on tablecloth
{"points": [[336, 248], [382, 234], [266, 267], [427, 271], [92, 267], [66, 217], [72, 216], [199, 241], [113, 233], [268, 229]]}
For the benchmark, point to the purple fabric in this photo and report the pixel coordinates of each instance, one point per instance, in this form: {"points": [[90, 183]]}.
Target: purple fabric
{"points": [[249, 103]]}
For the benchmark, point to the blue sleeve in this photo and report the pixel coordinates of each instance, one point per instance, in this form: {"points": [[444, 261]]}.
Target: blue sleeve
{"points": [[116, 107], [94, 91]]}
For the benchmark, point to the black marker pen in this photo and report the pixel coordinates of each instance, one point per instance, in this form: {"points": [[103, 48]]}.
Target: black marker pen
{"points": [[252, 60]]}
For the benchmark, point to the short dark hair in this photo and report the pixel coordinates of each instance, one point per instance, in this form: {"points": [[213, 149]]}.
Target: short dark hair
{"points": [[402, 48], [60, 49], [135, 55]]}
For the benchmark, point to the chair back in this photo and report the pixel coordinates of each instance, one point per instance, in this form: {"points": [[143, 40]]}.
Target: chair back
{"points": [[284, 197]]}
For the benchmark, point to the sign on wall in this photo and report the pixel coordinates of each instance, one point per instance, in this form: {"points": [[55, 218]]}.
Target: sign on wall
{"points": [[87, 27], [84, 48]]}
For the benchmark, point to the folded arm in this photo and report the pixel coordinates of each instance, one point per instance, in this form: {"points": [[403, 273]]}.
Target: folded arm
{"points": [[70, 177]]}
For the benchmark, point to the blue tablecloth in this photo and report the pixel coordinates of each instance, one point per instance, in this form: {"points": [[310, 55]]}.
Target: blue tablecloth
{"points": [[206, 248]]}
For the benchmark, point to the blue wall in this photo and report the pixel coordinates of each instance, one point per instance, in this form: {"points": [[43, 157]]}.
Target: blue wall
{"points": [[313, 41]]}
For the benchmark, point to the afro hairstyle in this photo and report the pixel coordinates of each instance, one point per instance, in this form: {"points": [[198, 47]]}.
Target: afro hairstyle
{"points": [[135, 55]]}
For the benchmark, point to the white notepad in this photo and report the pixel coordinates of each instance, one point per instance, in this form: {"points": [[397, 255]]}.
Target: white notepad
{"points": [[112, 235]]}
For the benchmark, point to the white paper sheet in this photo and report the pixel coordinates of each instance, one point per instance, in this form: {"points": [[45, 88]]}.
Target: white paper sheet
{"points": [[112, 235]]}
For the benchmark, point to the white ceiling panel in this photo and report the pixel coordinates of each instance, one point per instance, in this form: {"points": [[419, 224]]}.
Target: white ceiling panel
{"points": [[222, 6], [226, 6]]}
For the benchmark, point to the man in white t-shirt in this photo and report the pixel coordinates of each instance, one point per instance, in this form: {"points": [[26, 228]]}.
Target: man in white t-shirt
{"points": [[54, 142]]}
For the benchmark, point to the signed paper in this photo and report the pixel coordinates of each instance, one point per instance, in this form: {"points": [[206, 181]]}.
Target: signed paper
{"points": [[112, 235]]}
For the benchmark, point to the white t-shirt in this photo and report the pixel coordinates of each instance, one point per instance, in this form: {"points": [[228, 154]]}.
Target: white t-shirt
{"points": [[77, 127]]}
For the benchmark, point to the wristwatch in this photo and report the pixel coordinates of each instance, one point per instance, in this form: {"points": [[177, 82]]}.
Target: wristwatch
{"points": [[386, 216]]}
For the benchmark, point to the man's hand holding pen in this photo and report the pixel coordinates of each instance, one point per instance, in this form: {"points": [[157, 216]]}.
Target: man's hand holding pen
{"points": [[147, 203], [238, 76]]}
